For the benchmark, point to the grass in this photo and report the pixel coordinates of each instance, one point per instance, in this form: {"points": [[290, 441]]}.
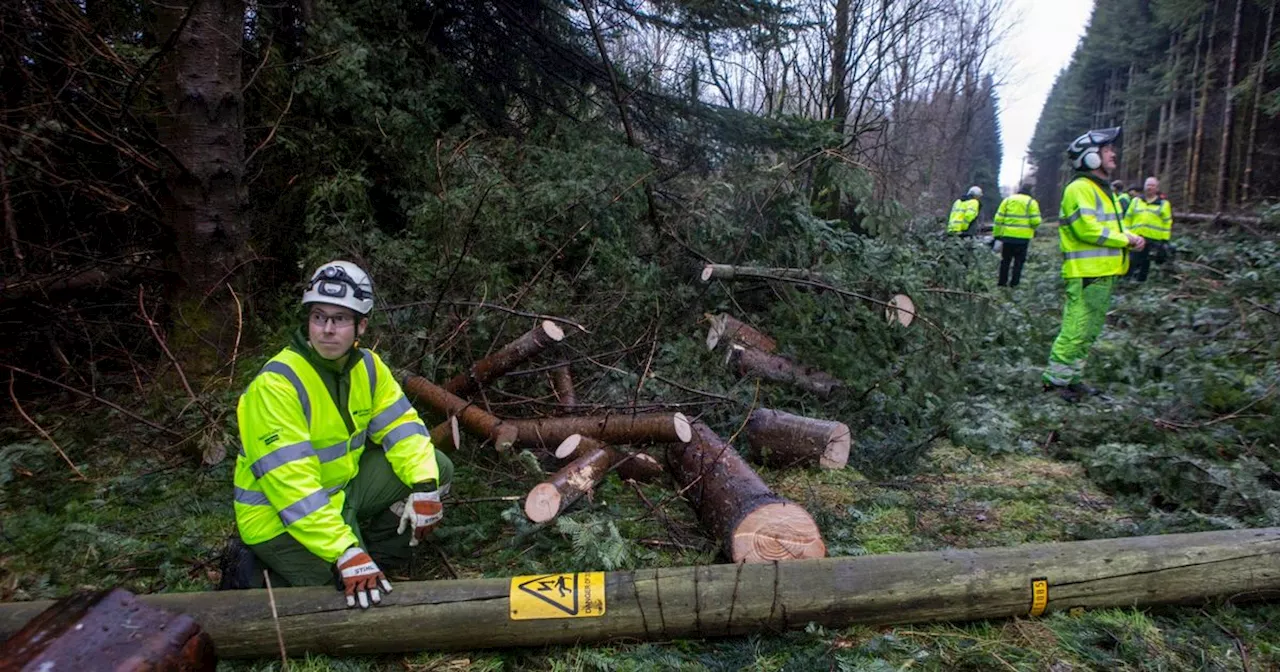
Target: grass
{"points": [[1184, 362]]}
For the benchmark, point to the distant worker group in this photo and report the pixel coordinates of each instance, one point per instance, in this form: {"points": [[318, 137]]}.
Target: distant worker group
{"points": [[1105, 232]]}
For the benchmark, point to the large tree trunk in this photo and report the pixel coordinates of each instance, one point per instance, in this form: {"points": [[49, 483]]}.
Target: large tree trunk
{"points": [[778, 439], [508, 357], [1193, 110], [1194, 176], [1228, 112], [736, 508], [1259, 76], [202, 128], [1164, 171], [725, 600]]}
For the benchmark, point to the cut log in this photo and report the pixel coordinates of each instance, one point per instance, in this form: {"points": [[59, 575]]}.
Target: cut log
{"points": [[1220, 218], [562, 384], [751, 523], [729, 273], [549, 433], [719, 600], [901, 309], [475, 419], [547, 499], [108, 630], [779, 439], [633, 466], [446, 436], [727, 328], [511, 355], [775, 368]]}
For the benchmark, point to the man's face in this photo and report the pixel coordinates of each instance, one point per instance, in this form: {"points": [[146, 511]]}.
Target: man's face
{"points": [[1151, 189], [332, 330], [1108, 153]]}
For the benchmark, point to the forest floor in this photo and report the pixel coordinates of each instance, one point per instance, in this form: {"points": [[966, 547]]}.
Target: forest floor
{"points": [[1186, 439]]}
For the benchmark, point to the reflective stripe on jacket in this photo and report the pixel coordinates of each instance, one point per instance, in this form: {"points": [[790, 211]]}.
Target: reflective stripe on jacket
{"points": [[963, 213], [1017, 217], [298, 451], [1153, 221], [1090, 232]]}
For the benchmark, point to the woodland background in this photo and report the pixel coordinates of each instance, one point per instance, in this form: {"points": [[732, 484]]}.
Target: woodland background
{"points": [[171, 171]]}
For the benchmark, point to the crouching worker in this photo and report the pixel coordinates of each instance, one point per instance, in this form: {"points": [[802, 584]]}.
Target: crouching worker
{"points": [[336, 476]]}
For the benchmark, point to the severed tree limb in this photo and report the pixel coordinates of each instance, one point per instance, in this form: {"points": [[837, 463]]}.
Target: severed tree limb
{"points": [[547, 499], [562, 383], [779, 439], [634, 466], [613, 429], [476, 420], [728, 273], [736, 508], [511, 355], [446, 435], [725, 327], [751, 362], [1220, 218]]}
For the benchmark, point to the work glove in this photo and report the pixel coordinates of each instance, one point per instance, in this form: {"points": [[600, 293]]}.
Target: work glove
{"points": [[422, 511], [361, 578]]}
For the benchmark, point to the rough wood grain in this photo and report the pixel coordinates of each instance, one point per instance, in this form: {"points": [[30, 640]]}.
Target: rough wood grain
{"points": [[717, 600], [549, 498], [630, 465], [779, 439], [748, 361]]}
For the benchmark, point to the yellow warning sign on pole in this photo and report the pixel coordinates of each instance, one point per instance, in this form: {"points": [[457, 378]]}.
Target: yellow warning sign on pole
{"points": [[557, 596]]}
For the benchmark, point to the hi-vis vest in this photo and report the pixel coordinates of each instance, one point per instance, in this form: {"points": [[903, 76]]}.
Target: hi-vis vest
{"points": [[1153, 221], [1090, 233], [298, 453], [1017, 217], [963, 212]]}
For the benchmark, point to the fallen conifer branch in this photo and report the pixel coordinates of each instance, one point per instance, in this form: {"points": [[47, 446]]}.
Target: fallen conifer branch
{"points": [[728, 273], [725, 327], [476, 420], [614, 429], [508, 357], [748, 361]]}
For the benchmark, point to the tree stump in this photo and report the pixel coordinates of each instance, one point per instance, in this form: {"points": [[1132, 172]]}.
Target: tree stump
{"points": [[108, 630], [547, 499], [752, 523], [727, 328], [775, 368], [779, 439]]}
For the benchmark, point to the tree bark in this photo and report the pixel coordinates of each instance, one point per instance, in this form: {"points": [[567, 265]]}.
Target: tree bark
{"points": [[729, 273], [725, 326], [1194, 177], [774, 368], [779, 439], [631, 466], [108, 630], [1192, 109], [1260, 75], [508, 357], [727, 600], [1164, 171], [562, 384], [549, 433], [1220, 218], [736, 508], [1228, 111], [202, 128], [549, 498], [476, 420]]}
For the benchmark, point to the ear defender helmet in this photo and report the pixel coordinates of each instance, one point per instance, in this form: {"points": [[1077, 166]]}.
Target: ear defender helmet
{"points": [[1085, 152]]}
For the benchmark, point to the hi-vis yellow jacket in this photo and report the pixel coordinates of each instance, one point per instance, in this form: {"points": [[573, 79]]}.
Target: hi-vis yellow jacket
{"points": [[299, 450], [1153, 221], [963, 213], [1017, 217], [1090, 233]]}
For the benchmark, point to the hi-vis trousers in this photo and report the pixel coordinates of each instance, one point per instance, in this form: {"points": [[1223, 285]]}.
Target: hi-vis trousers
{"points": [[1082, 318]]}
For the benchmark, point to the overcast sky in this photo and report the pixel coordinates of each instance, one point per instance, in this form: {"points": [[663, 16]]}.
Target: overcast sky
{"points": [[1039, 44]]}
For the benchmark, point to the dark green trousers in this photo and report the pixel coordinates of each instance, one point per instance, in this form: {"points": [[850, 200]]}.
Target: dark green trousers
{"points": [[367, 510]]}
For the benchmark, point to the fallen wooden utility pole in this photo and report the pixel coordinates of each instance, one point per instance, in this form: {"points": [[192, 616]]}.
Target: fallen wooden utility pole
{"points": [[778, 439], [511, 355], [725, 327], [776, 368], [736, 508], [717, 600]]}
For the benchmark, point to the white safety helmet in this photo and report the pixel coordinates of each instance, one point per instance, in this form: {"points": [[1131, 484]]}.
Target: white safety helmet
{"points": [[340, 283], [1084, 152], [974, 192]]}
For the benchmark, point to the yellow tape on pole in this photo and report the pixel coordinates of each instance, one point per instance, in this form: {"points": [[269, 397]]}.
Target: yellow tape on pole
{"points": [[1039, 595], [578, 595]]}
